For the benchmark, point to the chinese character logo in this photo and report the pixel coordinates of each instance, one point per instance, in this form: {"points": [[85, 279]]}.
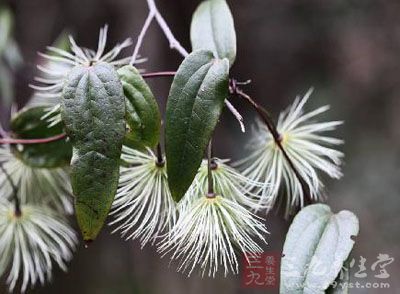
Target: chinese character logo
{"points": [[261, 270]]}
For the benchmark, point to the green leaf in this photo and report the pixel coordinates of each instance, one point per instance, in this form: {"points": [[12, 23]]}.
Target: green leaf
{"points": [[93, 110], [213, 29], [317, 244], [28, 124], [194, 105], [142, 113]]}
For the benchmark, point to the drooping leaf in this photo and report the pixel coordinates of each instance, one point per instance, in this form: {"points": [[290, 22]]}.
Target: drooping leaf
{"points": [[93, 110], [142, 112], [194, 105], [316, 246], [28, 124], [213, 29]]}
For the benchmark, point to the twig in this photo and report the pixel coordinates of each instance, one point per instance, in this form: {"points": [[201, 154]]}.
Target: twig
{"points": [[159, 74], [143, 32], [32, 141], [173, 42], [160, 159], [154, 13], [17, 203], [236, 114], [210, 179], [265, 116]]}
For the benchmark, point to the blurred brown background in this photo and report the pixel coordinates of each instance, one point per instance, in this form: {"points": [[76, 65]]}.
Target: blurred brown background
{"points": [[349, 50]]}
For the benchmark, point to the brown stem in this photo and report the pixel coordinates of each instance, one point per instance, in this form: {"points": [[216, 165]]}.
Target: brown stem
{"points": [[266, 118], [210, 193], [160, 159], [17, 203], [159, 74], [32, 141]]}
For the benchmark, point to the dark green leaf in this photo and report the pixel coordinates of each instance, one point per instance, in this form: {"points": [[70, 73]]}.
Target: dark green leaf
{"points": [[142, 113], [194, 105], [28, 124], [317, 244], [213, 29], [93, 110]]}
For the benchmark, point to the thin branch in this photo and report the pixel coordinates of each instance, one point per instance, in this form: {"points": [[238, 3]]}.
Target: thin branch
{"points": [[32, 141], [159, 74], [210, 193], [160, 158], [154, 13], [236, 114], [143, 32], [17, 203], [173, 42], [265, 116]]}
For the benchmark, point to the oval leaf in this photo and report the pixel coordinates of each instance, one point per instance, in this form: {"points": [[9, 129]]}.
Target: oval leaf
{"points": [[28, 124], [213, 29], [194, 105], [317, 244], [93, 110], [142, 112]]}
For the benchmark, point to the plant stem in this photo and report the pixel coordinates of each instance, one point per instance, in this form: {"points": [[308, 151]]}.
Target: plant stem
{"points": [[210, 193], [142, 33], [160, 158], [154, 13], [266, 118], [32, 141], [17, 203], [159, 74]]}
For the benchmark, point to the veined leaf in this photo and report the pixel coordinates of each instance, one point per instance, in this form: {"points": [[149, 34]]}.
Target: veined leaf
{"points": [[194, 105], [28, 124], [213, 29], [142, 112], [93, 110], [316, 246]]}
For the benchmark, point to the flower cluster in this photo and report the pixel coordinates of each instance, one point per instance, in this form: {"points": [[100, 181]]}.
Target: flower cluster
{"points": [[215, 219], [201, 230], [31, 241]]}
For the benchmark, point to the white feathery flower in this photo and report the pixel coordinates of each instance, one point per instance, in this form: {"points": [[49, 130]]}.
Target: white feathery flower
{"points": [[227, 181], [207, 234], [143, 207], [32, 242], [59, 63], [306, 146], [36, 185]]}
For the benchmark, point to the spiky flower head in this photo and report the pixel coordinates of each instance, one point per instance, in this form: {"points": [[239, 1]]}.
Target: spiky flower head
{"points": [[227, 181], [143, 207], [59, 63], [31, 243], [207, 234], [36, 185], [307, 147]]}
